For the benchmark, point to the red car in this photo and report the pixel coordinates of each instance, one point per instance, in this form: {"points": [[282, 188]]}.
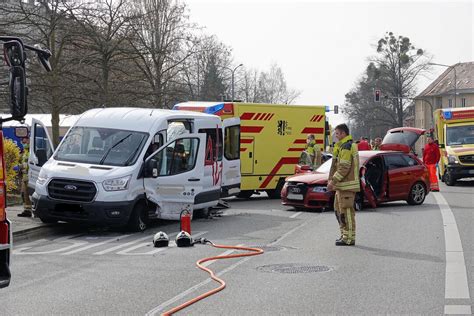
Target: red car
{"points": [[386, 175]]}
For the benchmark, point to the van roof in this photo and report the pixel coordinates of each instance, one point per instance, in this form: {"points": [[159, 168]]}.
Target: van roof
{"points": [[136, 119]]}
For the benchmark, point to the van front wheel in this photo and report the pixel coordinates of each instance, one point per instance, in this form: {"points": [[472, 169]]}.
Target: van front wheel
{"points": [[138, 219]]}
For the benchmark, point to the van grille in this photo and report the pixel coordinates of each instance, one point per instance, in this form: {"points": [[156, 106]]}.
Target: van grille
{"points": [[467, 159], [72, 190]]}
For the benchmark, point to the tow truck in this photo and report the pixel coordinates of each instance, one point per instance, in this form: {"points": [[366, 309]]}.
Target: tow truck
{"points": [[14, 52]]}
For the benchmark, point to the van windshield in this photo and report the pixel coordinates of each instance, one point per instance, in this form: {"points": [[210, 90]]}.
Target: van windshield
{"points": [[460, 135], [101, 146]]}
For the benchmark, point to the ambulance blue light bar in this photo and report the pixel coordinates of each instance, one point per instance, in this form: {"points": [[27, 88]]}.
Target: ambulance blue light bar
{"points": [[214, 109], [448, 115]]}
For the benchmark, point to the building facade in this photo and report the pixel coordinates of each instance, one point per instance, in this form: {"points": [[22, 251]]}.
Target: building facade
{"points": [[453, 88]]}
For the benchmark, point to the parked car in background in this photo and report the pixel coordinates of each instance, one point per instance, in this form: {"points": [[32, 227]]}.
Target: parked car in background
{"points": [[385, 176]]}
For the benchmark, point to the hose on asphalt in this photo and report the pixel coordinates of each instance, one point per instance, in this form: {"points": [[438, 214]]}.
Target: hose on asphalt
{"points": [[253, 252]]}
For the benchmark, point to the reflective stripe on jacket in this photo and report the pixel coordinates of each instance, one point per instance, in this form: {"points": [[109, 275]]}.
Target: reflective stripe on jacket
{"points": [[344, 171]]}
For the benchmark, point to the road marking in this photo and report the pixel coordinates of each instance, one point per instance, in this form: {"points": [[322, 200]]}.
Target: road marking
{"points": [[20, 251], [123, 245], [295, 215], [95, 245], [161, 307], [456, 285], [457, 309]]}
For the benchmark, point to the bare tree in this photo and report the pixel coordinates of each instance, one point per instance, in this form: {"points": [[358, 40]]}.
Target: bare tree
{"points": [[399, 63], [162, 42], [46, 22]]}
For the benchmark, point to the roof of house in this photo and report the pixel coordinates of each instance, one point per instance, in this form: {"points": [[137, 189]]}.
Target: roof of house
{"points": [[444, 84]]}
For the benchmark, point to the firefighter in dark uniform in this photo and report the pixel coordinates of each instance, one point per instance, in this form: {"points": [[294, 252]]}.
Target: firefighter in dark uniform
{"points": [[344, 179]]}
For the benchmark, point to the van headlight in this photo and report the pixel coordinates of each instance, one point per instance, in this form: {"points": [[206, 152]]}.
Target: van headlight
{"points": [[116, 184], [453, 159], [42, 179]]}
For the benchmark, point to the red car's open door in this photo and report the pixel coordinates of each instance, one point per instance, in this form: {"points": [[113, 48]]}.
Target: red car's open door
{"points": [[367, 189]]}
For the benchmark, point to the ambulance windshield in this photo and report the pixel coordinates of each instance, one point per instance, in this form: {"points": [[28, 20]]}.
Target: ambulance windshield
{"points": [[460, 135]]}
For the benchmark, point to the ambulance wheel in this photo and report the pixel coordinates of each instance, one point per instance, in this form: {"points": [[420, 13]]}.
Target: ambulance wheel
{"points": [[417, 194], [449, 179], [138, 219], [276, 193], [245, 194]]}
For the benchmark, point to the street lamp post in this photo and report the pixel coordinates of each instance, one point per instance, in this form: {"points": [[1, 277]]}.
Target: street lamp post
{"points": [[233, 76], [455, 78]]}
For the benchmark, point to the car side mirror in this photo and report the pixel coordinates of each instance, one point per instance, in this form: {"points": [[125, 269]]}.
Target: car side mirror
{"points": [[18, 92], [441, 146], [151, 168]]}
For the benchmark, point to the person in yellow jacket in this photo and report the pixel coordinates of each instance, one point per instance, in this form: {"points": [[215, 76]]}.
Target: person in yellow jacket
{"points": [[27, 209], [314, 151], [344, 179]]}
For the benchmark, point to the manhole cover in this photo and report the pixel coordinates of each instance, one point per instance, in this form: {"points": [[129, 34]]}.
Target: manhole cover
{"points": [[293, 268]]}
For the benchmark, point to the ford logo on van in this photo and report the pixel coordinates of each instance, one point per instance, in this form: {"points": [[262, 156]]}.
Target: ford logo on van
{"points": [[70, 187]]}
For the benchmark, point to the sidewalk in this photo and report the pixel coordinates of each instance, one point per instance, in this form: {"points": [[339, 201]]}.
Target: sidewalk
{"points": [[23, 225]]}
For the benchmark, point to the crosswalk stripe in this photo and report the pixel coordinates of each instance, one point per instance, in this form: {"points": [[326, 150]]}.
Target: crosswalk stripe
{"points": [[123, 245], [94, 245]]}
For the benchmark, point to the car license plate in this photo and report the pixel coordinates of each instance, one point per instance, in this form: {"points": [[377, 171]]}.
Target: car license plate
{"points": [[292, 196]]}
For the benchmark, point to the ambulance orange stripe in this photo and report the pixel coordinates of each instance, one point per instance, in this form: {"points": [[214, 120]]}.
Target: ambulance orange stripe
{"points": [[251, 129], [296, 149], [319, 141], [243, 149], [320, 118], [246, 141], [312, 130], [267, 118], [283, 161], [271, 116], [247, 116], [257, 116], [312, 118], [263, 116]]}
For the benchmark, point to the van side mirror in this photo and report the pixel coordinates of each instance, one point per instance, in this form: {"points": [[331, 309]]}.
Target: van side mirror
{"points": [[441, 146], [18, 92], [151, 168]]}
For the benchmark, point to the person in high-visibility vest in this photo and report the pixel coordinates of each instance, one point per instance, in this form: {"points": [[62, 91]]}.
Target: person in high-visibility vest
{"points": [[314, 151], [431, 157], [344, 179], [27, 209]]}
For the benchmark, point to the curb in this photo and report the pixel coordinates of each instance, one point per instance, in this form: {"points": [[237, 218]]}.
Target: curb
{"points": [[32, 232]]}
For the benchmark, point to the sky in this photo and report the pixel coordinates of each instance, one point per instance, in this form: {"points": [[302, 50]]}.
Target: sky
{"points": [[323, 46]]}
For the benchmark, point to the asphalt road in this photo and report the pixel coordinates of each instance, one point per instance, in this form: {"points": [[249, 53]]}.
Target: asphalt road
{"points": [[398, 266]]}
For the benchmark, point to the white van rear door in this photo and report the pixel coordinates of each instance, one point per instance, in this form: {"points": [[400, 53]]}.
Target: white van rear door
{"points": [[41, 149], [178, 177], [231, 161]]}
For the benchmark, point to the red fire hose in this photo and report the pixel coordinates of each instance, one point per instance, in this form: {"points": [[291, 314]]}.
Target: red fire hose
{"points": [[254, 252]]}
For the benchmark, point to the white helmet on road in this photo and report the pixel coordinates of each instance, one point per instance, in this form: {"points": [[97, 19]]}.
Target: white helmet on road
{"points": [[161, 240]]}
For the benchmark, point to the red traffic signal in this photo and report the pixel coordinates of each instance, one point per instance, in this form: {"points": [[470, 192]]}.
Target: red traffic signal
{"points": [[377, 96]]}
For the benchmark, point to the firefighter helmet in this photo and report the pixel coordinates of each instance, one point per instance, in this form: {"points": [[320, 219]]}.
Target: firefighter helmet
{"points": [[184, 239], [160, 240]]}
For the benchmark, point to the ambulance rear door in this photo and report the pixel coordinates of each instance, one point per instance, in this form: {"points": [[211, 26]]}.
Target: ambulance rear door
{"points": [[231, 176]]}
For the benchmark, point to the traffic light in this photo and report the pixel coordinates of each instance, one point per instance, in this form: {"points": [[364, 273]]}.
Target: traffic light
{"points": [[336, 109], [377, 96]]}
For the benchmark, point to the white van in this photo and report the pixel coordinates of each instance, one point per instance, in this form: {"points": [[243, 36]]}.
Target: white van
{"points": [[124, 166]]}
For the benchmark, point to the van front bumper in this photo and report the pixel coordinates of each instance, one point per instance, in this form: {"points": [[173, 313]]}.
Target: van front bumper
{"points": [[458, 171], [97, 212]]}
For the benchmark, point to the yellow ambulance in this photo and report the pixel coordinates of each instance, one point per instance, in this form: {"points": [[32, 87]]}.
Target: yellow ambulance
{"points": [[272, 137], [455, 133]]}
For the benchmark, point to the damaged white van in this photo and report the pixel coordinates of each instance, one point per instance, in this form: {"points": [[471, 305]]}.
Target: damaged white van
{"points": [[125, 166]]}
